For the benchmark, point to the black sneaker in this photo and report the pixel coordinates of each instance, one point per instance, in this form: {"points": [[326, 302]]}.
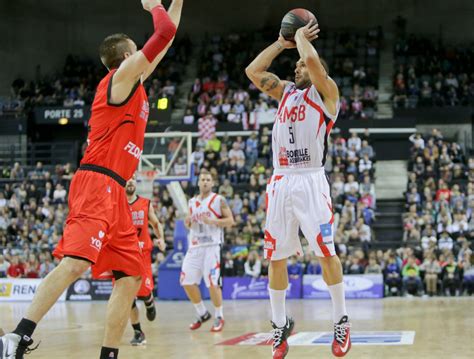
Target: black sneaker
{"points": [[138, 338], [12, 346], [280, 335], [151, 312], [197, 324]]}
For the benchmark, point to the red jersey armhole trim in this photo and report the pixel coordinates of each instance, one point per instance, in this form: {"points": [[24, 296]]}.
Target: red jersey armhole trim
{"points": [[109, 92], [210, 204]]}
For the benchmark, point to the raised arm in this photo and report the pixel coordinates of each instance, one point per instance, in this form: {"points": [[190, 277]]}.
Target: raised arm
{"points": [[317, 73], [174, 13], [143, 62], [257, 70]]}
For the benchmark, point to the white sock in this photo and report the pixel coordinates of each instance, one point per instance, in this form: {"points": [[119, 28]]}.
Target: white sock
{"points": [[277, 301], [219, 312], [338, 301], [200, 308]]}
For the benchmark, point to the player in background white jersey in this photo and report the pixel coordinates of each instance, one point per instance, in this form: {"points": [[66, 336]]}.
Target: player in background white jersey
{"points": [[208, 215], [298, 194]]}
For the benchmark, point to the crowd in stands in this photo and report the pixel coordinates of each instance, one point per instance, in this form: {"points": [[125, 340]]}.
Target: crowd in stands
{"points": [[438, 226], [76, 83], [223, 93], [431, 72], [439, 221], [33, 209]]}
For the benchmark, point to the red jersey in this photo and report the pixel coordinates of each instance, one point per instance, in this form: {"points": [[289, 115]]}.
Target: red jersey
{"points": [[116, 132], [139, 209]]}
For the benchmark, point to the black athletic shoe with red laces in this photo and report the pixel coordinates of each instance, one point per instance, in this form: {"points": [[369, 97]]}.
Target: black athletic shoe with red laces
{"points": [[280, 335]]}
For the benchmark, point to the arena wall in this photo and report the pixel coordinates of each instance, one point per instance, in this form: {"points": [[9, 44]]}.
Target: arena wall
{"points": [[42, 33]]}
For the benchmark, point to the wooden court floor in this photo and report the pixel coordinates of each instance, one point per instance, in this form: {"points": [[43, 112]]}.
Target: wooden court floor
{"points": [[444, 329]]}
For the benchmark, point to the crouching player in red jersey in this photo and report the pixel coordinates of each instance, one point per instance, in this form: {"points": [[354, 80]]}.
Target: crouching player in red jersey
{"points": [[143, 214], [99, 231]]}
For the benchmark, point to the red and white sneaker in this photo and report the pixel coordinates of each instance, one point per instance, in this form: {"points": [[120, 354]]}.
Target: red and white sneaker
{"points": [[280, 346], [218, 325], [342, 337], [202, 319]]}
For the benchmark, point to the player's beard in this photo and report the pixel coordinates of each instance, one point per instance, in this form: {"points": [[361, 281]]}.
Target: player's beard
{"points": [[130, 191], [302, 83]]}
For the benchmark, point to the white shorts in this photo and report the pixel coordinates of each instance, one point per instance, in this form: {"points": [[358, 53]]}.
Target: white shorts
{"points": [[202, 262], [298, 200]]}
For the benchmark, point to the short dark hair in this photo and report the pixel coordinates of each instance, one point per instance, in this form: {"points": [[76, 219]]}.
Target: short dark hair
{"points": [[205, 172], [112, 50]]}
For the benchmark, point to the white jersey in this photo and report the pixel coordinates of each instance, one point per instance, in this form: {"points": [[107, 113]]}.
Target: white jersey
{"points": [[301, 130], [202, 234]]}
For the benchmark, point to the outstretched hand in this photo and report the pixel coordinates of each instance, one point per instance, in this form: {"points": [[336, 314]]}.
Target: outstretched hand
{"points": [[310, 31], [148, 5]]}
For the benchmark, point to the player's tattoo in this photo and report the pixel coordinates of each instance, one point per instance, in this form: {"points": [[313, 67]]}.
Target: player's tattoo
{"points": [[269, 83]]}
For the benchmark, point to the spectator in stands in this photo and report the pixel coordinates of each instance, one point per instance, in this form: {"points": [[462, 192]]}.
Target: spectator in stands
{"points": [[253, 265], [226, 189], [189, 117], [265, 268], [392, 275], [46, 265], [445, 241], [432, 269], [16, 268], [451, 275], [313, 267], [251, 148], [411, 277], [4, 265], [367, 150], [229, 270], [32, 267], [351, 184], [59, 194], [17, 172], [373, 267], [353, 266], [213, 144], [236, 153], [295, 268]]}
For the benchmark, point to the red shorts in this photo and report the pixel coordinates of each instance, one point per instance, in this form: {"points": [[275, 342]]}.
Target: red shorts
{"points": [[99, 226], [147, 277]]}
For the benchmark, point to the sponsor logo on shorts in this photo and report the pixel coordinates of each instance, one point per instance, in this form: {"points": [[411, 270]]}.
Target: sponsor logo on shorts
{"points": [[133, 149], [141, 244], [326, 230], [97, 243], [268, 245]]}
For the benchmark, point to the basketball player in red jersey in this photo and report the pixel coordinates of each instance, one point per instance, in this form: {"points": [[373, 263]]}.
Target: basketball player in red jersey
{"points": [[99, 231], [298, 194], [143, 214]]}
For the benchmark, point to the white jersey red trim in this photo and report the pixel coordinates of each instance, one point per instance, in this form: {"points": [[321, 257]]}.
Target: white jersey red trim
{"points": [[301, 129], [201, 234]]}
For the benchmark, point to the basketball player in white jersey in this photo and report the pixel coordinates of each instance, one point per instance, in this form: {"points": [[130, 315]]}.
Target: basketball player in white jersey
{"points": [[208, 215], [298, 193]]}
